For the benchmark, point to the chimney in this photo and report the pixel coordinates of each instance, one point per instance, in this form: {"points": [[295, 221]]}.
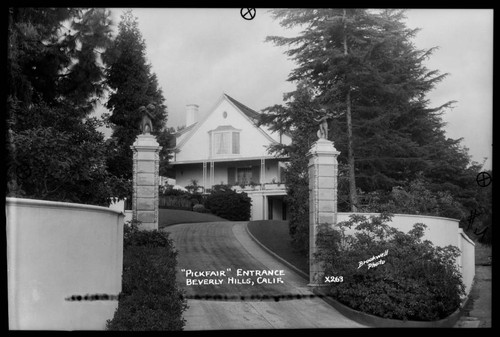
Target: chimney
{"points": [[191, 114]]}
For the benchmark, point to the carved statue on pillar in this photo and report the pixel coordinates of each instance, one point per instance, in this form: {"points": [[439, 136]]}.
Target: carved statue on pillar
{"points": [[146, 125], [323, 123]]}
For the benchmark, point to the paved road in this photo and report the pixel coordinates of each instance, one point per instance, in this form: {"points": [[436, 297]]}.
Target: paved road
{"points": [[226, 246], [478, 309]]}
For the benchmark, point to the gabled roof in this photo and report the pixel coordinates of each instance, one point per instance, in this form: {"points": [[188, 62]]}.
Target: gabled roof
{"points": [[252, 114], [186, 129]]}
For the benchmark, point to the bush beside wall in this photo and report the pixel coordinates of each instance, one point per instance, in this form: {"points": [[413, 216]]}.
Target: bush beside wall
{"points": [[416, 280], [150, 298]]}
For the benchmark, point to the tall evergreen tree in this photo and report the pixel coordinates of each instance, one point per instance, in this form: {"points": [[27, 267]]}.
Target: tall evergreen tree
{"points": [[364, 67], [54, 76], [296, 118], [361, 65], [54, 56], [133, 85]]}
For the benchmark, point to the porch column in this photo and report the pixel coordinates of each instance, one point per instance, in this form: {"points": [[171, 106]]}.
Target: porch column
{"points": [[262, 170], [204, 176], [212, 174]]}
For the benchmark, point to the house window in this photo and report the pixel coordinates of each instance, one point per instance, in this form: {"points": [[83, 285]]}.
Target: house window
{"points": [[244, 175], [236, 142], [221, 142], [226, 143]]}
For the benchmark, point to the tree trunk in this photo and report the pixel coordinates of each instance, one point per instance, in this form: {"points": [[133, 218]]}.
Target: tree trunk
{"points": [[353, 198]]}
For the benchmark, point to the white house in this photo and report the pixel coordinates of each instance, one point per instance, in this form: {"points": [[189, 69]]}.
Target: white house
{"points": [[228, 147]]}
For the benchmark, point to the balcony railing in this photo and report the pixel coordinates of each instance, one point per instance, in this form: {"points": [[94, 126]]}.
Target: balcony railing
{"points": [[260, 187]]}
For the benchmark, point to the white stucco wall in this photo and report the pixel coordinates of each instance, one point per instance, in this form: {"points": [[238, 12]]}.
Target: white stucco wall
{"points": [[467, 260], [440, 231], [258, 206], [56, 250]]}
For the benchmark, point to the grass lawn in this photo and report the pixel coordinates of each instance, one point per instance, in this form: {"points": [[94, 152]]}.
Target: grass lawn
{"points": [[274, 235], [169, 217]]}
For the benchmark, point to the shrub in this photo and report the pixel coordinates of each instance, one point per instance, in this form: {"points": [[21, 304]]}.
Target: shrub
{"points": [[175, 202], [177, 199], [133, 236], [416, 281], [414, 198], [150, 298], [200, 208], [228, 204]]}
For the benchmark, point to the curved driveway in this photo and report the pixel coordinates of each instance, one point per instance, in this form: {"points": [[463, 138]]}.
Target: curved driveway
{"points": [[226, 246]]}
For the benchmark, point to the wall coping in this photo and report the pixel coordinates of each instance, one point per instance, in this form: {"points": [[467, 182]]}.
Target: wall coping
{"points": [[405, 215], [59, 204], [465, 236]]}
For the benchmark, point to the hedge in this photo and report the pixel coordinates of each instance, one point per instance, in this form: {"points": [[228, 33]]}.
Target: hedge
{"points": [[150, 298]]}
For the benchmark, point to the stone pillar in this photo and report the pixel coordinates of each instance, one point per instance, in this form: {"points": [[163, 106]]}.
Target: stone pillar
{"points": [[322, 199], [146, 179]]}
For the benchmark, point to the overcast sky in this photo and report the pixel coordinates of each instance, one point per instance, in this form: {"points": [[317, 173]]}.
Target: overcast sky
{"points": [[198, 54]]}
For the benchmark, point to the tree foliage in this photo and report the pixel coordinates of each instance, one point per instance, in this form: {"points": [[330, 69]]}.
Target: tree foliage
{"points": [[55, 75], [394, 130], [362, 66], [166, 139], [133, 85], [297, 118], [54, 55]]}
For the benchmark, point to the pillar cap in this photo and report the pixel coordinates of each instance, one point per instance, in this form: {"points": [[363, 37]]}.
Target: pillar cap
{"points": [[145, 141], [322, 146]]}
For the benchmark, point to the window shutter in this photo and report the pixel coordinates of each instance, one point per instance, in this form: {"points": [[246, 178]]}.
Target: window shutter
{"points": [[231, 175]]}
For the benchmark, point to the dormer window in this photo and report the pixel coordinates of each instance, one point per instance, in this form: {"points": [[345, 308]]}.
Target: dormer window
{"points": [[225, 140]]}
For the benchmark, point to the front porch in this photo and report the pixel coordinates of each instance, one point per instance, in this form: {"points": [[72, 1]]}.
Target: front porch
{"points": [[247, 175], [261, 178]]}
